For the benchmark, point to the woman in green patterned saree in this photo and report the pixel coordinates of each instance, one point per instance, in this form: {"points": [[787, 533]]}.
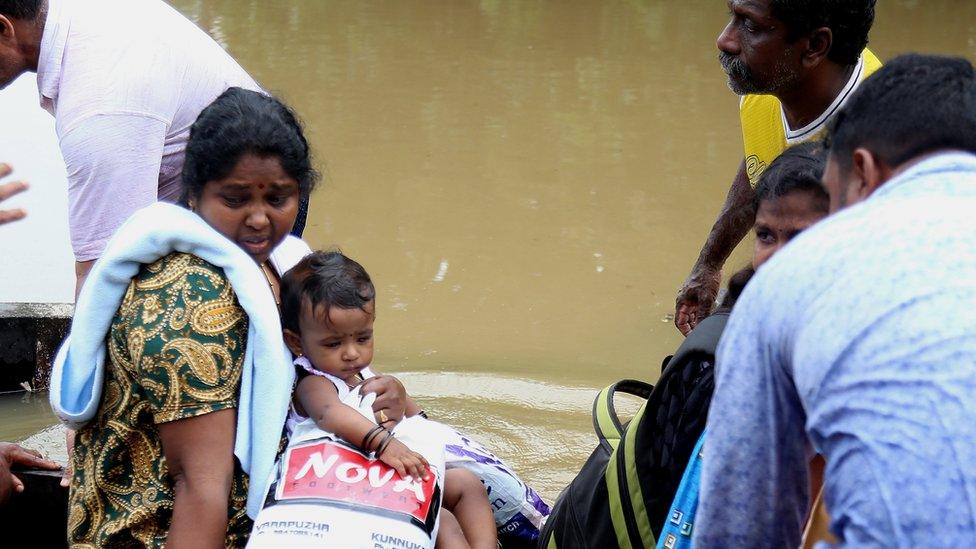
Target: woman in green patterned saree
{"points": [[156, 464]]}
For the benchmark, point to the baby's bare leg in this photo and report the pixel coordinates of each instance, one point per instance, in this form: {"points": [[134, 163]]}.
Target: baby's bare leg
{"points": [[465, 496], [449, 535]]}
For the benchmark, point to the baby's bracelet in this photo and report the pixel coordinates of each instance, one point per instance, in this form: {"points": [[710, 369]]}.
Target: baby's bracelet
{"points": [[384, 444], [377, 441], [370, 435]]}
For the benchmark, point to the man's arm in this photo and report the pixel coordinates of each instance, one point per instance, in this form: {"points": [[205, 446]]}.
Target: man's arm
{"points": [[113, 170], [754, 481], [113, 163], [697, 296], [82, 268]]}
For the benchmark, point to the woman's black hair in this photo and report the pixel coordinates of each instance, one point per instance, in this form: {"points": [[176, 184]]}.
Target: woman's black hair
{"points": [[799, 168], [243, 122], [324, 279], [737, 283]]}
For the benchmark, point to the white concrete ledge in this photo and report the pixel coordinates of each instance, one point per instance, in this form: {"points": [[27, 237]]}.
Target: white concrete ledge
{"points": [[36, 310]]}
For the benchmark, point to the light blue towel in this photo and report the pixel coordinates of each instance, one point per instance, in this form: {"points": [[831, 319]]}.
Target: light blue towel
{"points": [[267, 374]]}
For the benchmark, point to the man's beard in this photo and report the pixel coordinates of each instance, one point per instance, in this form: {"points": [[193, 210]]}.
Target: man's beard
{"points": [[743, 82]]}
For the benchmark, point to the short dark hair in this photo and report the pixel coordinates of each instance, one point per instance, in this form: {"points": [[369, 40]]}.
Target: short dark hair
{"points": [[915, 104], [243, 122], [324, 279], [26, 10], [850, 22], [798, 168]]}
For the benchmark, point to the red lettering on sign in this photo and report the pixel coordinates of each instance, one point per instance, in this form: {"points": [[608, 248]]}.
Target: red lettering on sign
{"points": [[329, 471]]}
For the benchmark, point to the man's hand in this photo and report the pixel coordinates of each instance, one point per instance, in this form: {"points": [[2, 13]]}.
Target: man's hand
{"points": [[6, 191], [696, 298], [11, 456], [391, 398]]}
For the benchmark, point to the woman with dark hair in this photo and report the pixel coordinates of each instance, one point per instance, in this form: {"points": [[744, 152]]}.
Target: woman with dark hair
{"points": [[789, 199], [175, 373], [154, 458]]}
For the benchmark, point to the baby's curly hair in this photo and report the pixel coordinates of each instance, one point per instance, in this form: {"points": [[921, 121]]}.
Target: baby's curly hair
{"points": [[324, 279]]}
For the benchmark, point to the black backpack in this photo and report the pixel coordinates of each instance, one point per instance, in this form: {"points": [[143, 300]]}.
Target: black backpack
{"points": [[623, 493]]}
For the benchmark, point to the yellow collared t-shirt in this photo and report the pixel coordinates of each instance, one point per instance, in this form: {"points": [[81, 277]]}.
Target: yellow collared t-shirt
{"points": [[764, 129]]}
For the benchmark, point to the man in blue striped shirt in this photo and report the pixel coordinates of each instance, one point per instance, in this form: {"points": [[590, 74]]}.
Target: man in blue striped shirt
{"points": [[858, 340]]}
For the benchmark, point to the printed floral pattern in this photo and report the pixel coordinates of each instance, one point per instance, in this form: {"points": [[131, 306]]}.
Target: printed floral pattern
{"points": [[175, 351]]}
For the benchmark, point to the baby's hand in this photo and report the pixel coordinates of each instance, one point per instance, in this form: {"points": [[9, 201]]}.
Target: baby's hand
{"points": [[404, 460]]}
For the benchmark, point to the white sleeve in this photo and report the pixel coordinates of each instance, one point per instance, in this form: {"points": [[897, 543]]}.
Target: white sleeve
{"points": [[113, 170], [287, 254]]}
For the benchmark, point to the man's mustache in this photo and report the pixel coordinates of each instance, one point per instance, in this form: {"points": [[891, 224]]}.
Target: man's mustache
{"points": [[734, 67]]}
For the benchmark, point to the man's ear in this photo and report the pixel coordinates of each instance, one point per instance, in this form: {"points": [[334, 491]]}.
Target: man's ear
{"points": [[6, 29], [294, 342], [871, 173], [818, 44]]}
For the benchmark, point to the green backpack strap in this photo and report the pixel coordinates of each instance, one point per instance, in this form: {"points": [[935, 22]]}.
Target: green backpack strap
{"points": [[628, 508], [606, 423], [628, 513], [633, 529]]}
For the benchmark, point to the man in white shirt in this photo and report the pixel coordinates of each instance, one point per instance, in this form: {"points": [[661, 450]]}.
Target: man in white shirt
{"points": [[125, 79]]}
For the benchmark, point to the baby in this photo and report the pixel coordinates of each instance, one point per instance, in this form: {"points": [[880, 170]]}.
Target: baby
{"points": [[328, 307]]}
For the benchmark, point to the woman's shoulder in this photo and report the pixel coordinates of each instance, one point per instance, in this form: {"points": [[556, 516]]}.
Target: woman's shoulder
{"points": [[179, 267], [181, 281], [180, 296]]}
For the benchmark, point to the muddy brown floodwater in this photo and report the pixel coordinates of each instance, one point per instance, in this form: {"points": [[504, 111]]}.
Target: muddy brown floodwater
{"points": [[527, 182]]}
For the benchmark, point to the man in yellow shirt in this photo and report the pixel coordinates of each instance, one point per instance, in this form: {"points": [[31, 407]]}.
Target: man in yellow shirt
{"points": [[795, 63]]}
